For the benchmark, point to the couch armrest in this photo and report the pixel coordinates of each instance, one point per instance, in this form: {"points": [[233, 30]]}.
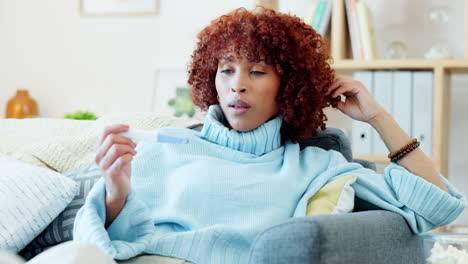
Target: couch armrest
{"points": [[362, 237], [366, 163]]}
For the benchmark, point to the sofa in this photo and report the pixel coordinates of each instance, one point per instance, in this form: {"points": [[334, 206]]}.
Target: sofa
{"points": [[367, 235]]}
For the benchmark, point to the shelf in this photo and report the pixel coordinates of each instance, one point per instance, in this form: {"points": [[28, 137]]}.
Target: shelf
{"points": [[376, 158], [373, 158], [409, 64]]}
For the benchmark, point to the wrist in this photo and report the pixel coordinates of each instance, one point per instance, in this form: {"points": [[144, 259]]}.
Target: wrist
{"points": [[115, 200], [113, 208], [379, 118]]}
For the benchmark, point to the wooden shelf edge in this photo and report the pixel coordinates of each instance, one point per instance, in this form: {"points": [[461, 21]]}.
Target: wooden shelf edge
{"points": [[374, 158], [400, 64], [378, 158]]}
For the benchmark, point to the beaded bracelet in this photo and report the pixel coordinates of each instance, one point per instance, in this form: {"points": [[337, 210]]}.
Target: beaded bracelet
{"points": [[395, 156], [395, 153]]}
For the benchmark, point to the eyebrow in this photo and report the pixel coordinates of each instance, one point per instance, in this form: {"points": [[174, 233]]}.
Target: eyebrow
{"points": [[231, 59], [261, 60]]}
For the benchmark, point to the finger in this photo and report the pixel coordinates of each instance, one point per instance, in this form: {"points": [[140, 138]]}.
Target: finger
{"points": [[345, 90], [336, 84], [109, 141], [114, 153], [351, 92], [114, 129], [119, 163], [339, 80], [340, 105]]}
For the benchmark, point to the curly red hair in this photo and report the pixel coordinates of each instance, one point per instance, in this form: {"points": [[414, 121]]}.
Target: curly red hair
{"points": [[298, 53]]}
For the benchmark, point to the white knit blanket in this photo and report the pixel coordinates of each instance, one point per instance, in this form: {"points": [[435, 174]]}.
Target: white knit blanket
{"points": [[64, 144]]}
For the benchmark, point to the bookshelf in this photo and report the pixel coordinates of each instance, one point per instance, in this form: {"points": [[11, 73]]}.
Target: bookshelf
{"points": [[339, 40], [340, 50]]}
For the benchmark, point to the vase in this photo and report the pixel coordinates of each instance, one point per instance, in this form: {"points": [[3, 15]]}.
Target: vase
{"points": [[438, 15], [21, 106]]}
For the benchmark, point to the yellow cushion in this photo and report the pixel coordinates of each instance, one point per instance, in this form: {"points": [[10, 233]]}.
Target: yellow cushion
{"points": [[334, 198]]}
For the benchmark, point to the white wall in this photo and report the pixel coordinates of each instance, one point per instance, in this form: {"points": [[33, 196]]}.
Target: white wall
{"points": [[108, 64], [103, 64]]}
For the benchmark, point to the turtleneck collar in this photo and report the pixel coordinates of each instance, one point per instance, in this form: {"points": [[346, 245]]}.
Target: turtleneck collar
{"points": [[259, 141]]}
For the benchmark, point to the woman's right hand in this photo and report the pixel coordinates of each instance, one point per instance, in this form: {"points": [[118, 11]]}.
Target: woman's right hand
{"points": [[113, 156]]}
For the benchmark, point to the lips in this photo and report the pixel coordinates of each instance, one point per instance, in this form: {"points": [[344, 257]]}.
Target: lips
{"points": [[238, 104], [239, 107]]}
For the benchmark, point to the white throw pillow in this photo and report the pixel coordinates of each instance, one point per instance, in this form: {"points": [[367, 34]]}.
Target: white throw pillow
{"points": [[30, 198]]}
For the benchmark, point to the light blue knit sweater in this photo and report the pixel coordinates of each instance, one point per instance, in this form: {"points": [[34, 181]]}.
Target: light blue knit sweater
{"points": [[206, 201]]}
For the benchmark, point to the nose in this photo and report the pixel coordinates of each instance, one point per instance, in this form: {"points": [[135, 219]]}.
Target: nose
{"points": [[239, 85], [238, 90]]}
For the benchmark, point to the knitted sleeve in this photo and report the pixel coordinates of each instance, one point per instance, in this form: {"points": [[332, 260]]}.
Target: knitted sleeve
{"points": [[423, 205], [128, 234]]}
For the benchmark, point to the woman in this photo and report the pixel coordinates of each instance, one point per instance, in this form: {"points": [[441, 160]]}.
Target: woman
{"points": [[264, 79]]}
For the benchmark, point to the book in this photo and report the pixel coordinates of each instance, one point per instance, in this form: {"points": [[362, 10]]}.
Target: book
{"points": [[318, 14], [361, 135], [309, 12], [372, 38], [383, 86], [422, 109], [353, 28], [403, 99], [325, 21], [367, 30]]}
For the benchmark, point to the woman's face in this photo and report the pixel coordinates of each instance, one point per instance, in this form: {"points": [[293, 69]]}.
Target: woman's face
{"points": [[247, 92]]}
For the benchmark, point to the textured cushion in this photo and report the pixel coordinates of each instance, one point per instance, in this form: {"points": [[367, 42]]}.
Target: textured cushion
{"points": [[61, 229], [30, 198], [64, 144], [336, 197]]}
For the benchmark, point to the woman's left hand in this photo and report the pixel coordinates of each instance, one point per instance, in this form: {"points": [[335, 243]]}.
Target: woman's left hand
{"points": [[359, 103]]}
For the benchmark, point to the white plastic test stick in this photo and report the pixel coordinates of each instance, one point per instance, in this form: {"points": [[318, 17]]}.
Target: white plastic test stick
{"points": [[154, 135]]}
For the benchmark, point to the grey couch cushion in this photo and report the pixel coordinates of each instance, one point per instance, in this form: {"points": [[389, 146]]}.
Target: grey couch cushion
{"points": [[330, 138], [61, 229], [365, 237]]}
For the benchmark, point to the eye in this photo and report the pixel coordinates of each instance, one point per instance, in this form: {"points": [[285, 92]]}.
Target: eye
{"points": [[257, 72], [226, 71]]}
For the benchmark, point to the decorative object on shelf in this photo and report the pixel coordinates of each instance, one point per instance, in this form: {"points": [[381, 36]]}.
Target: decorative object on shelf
{"points": [[119, 7], [438, 50], [438, 15], [182, 103], [81, 115], [21, 106], [396, 50]]}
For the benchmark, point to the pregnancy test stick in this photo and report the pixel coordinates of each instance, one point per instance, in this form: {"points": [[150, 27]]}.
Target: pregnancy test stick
{"points": [[154, 135]]}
